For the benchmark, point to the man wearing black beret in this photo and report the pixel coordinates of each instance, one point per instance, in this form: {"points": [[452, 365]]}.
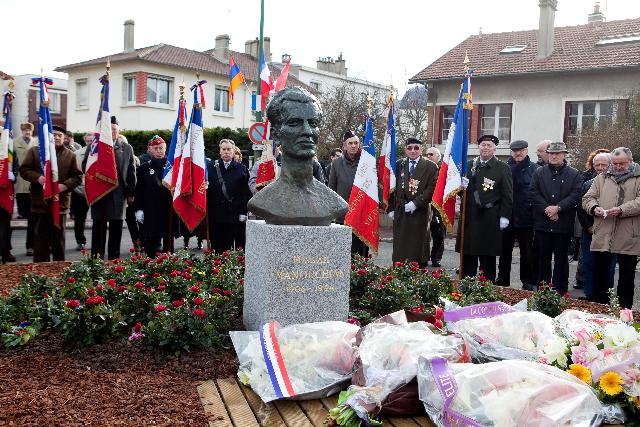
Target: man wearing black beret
{"points": [[488, 209], [521, 222]]}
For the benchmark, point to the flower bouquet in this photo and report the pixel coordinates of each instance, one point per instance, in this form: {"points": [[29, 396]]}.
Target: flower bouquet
{"points": [[506, 393], [496, 331], [305, 361], [387, 363]]}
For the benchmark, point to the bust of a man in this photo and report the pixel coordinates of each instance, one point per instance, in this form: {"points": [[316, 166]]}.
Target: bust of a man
{"points": [[296, 197]]}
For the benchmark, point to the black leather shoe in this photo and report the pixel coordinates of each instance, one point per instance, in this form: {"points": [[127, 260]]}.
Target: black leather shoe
{"points": [[578, 285], [527, 287], [436, 263]]}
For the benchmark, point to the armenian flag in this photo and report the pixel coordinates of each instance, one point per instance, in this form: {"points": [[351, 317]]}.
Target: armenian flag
{"points": [[236, 78]]}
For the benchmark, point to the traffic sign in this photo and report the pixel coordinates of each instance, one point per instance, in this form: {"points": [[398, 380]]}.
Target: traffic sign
{"points": [[257, 132]]}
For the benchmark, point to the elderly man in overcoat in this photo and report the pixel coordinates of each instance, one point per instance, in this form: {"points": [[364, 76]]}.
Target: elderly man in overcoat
{"points": [[411, 204], [489, 202]]}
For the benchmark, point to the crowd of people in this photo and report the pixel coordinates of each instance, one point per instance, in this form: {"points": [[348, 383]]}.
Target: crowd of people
{"points": [[539, 205]]}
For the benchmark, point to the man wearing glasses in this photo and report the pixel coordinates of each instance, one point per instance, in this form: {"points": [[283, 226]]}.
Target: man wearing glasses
{"points": [[411, 202], [489, 201]]}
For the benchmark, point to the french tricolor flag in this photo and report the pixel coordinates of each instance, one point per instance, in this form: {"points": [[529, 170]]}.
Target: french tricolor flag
{"points": [[266, 82], [454, 161], [174, 155], [190, 193], [387, 160], [362, 215]]}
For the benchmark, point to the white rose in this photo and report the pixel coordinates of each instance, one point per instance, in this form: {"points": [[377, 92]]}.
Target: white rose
{"points": [[619, 335], [555, 351]]}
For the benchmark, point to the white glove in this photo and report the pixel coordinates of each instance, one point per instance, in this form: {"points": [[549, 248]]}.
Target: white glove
{"points": [[504, 223], [242, 218], [465, 183], [410, 207], [140, 216], [390, 214]]}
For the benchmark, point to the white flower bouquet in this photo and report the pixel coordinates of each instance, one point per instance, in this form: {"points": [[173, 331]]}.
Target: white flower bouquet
{"points": [[305, 361], [505, 394]]}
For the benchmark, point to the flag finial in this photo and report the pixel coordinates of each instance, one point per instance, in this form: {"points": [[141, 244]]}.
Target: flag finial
{"points": [[466, 61], [108, 67], [182, 87], [369, 104]]}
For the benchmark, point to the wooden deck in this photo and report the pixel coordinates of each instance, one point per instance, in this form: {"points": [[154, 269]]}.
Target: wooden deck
{"points": [[228, 403]]}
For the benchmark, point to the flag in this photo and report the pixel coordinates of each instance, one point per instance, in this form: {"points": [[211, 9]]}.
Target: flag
{"points": [[281, 82], [454, 161], [362, 215], [101, 176], [267, 167], [387, 161], [236, 78], [174, 155], [6, 157], [190, 193], [47, 150], [266, 82]]}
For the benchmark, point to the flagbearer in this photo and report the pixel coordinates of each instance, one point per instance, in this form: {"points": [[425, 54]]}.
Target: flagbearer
{"points": [[153, 202], [411, 204], [488, 208], [49, 239], [20, 146]]}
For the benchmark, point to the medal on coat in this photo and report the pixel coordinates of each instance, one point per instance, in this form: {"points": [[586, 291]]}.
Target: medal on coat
{"points": [[413, 186], [151, 171], [488, 184]]}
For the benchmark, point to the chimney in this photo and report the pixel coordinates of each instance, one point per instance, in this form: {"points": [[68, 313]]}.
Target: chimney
{"points": [[251, 48], [267, 49], [341, 66], [333, 66], [221, 51], [546, 28], [596, 16], [128, 35]]}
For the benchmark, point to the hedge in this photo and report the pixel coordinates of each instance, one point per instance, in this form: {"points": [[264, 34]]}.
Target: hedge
{"points": [[212, 136]]}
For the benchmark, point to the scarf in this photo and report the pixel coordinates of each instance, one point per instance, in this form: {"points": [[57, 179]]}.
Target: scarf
{"points": [[624, 175]]}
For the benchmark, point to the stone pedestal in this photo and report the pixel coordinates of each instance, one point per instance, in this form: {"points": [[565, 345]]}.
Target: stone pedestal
{"points": [[296, 274]]}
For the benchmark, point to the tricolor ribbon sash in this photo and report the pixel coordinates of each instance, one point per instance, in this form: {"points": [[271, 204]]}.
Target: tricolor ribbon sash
{"points": [[273, 359]]}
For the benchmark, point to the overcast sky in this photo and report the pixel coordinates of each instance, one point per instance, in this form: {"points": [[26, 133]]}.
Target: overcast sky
{"points": [[382, 41]]}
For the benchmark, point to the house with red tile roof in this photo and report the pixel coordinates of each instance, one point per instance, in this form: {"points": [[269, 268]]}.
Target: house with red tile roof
{"points": [[549, 83], [144, 85]]}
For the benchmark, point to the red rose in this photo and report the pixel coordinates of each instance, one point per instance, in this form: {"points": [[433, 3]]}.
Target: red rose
{"points": [[132, 250], [100, 287], [362, 272], [414, 268], [414, 264], [45, 295], [240, 259], [160, 307], [122, 288], [566, 295], [353, 267], [177, 303], [139, 285], [161, 288], [194, 288], [215, 270], [111, 282], [227, 292], [436, 274], [225, 254], [241, 282], [198, 301], [198, 312], [119, 269], [91, 292], [156, 274], [157, 254], [174, 259], [482, 279], [72, 303], [174, 273], [94, 300], [71, 280], [163, 282], [389, 277], [189, 262], [216, 290], [216, 262], [186, 275], [137, 327], [399, 264]]}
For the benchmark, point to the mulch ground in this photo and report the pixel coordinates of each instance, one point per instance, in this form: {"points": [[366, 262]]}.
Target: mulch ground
{"points": [[115, 384]]}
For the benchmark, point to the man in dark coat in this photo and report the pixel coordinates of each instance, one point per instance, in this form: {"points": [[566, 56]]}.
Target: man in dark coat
{"points": [[437, 228], [488, 209], [411, 204], [49, 239], [521, 223], [109, 210], [227, 197], [555, 193], [341, 177], [153, 201]]}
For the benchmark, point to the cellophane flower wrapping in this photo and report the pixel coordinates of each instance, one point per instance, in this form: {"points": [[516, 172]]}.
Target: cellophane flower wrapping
{"points": [[318, 358], [388, 358], [523, 335], [505, 394]]}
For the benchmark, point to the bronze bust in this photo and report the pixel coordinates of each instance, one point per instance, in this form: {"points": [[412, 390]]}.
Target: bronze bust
{"points": [[296, 197]]}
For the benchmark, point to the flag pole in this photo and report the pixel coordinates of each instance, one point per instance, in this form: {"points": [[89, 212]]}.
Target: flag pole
{"points": [[170, 238], [465, 111]]}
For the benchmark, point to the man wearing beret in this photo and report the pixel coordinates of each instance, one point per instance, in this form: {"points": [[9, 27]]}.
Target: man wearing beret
{"points": [[521, 223], [49, 239], [109, 210], [411, 204], [21, 145], [488, 208], [555, 193]]}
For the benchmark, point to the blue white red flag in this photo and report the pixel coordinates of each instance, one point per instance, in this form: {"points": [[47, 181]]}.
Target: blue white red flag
{"points": [[454, 161], [266, 82], [362, 215], [274, 361], [7, 178], [47, 152], [387, 160], [190, 193], [178, 140], [101, 175]]}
